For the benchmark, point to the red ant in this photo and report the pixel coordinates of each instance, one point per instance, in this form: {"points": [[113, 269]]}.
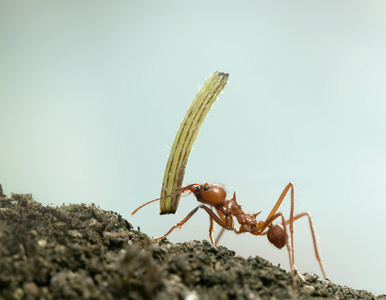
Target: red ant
{"points": [[214, 196]]}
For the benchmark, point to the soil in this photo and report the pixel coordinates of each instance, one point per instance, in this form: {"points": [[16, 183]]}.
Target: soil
{"points": [[80, 251]]}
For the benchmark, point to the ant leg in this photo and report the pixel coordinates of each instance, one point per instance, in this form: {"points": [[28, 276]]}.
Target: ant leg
{"points": [[279, 240], [281, 198], [211, 214], [290, 251], [178, 224], [291, 219], [211, 230], [313, 239], [278, 203], [220, 235]]}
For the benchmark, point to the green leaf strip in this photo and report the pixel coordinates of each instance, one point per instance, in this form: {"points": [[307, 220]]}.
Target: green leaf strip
{"points": [[183, 142]]}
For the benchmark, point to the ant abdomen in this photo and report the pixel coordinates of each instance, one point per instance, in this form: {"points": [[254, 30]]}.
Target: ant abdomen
{"points": [[277, 236]]}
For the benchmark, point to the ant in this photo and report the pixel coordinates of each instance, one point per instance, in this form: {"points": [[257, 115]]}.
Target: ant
{"points": [[214, 195]]}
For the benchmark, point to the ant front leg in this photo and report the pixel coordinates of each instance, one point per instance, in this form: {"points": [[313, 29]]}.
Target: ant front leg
{"points": [[211, 231], [212, 215]]}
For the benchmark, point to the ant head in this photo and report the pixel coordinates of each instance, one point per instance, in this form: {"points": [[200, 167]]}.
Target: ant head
{"points": [[211, 194]]}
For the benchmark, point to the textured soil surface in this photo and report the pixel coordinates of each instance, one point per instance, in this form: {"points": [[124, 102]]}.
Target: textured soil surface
{"points": [[84, 252]]}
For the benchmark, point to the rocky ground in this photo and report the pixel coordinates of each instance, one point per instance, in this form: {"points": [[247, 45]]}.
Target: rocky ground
{"points": [[84, 252]]}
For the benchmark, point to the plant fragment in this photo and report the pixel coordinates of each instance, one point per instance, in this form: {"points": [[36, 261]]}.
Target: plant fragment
{"points": [[183, 142]]}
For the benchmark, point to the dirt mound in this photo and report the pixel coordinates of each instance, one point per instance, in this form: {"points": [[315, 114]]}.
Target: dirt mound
{"points": [[84, 252]]}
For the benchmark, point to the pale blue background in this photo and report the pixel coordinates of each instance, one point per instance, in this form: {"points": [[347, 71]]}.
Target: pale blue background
{"points": [[92, 92]]}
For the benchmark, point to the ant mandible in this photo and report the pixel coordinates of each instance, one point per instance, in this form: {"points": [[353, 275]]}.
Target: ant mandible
{"points": [[214, 195]]}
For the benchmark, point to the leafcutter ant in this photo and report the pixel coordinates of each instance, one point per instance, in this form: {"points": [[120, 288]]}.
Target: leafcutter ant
{"points": [[223, 212]]}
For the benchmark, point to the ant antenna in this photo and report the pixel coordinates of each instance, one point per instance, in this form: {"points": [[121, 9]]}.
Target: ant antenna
{"points": [[138, 208], [181, 190]]}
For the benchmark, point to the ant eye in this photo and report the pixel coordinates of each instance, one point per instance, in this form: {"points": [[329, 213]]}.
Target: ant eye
{"points": [[206, 187]]}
